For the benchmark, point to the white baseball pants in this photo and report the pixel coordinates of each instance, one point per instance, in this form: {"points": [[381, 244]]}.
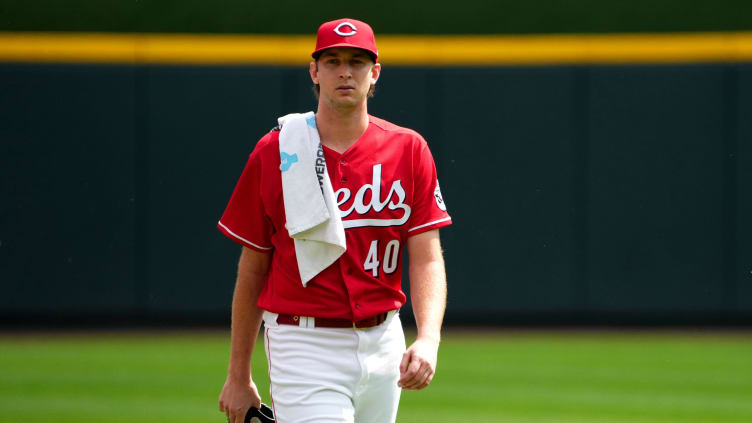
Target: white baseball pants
{"points": [[333, 375]]}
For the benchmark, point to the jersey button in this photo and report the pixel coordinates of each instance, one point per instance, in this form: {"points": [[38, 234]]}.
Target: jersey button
{"points": [[342, 161], [357, 306], [344, 179]]}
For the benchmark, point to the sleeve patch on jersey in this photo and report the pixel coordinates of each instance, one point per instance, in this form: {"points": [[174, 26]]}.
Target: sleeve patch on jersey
{"points": [[439, 199]]}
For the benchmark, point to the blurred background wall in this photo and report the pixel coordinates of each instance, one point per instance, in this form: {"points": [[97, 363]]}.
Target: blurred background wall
{"points": [[585, 189]]}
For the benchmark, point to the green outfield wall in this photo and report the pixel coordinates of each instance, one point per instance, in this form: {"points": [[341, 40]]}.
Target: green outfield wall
{"points": [[386, 16], [580, 193]]}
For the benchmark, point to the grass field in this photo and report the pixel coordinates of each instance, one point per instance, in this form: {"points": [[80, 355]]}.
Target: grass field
{"points": [[481, 377]]}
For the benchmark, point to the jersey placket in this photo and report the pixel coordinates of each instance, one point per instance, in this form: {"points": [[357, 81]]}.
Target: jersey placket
{"points": [[339, 172]]}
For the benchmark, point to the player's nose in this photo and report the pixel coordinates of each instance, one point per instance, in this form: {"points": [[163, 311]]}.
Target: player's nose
{"points": [[345, 71]]}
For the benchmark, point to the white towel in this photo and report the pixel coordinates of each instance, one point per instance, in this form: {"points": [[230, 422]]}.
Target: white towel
{"points": [[313, 218]]}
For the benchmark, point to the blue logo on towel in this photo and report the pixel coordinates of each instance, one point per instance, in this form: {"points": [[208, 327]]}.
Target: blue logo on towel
{"points": [[311, 121], [287, 161]]}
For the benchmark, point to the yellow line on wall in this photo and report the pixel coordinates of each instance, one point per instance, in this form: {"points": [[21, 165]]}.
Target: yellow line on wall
{"points": [[421, 50]]}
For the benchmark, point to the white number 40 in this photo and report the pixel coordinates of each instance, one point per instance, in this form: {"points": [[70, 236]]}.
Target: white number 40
{"points": [[391, 255]]}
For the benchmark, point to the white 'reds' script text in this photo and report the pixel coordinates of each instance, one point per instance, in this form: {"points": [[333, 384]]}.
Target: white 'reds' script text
{"points": [[377, 204]]}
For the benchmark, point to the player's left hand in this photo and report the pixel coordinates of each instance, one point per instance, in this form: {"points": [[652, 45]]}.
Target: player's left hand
{"points": [[418, 364]]}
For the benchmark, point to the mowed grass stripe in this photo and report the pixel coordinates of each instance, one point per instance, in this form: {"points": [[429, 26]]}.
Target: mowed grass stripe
{"points": [[598, 378], [492, 377], [145, 378]]}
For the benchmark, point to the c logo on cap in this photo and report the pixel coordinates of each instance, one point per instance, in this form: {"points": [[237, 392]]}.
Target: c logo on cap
{"points": [[345, 34]]}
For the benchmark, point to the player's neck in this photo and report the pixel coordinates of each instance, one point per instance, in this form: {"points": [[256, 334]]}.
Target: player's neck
{"points": [[340, 129]]}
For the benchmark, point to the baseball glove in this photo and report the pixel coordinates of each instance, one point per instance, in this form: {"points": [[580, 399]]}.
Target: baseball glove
{"points": [[259, 415]]}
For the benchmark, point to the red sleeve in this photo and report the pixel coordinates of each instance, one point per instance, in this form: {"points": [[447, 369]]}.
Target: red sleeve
{"points": [[429, 211], [244, 220]]}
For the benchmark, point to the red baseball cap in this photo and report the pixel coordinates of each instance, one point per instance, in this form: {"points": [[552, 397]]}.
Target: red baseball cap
{"points": [[346, 33]]}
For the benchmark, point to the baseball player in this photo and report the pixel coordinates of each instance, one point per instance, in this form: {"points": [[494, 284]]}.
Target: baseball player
{"points": [[334, 344]]}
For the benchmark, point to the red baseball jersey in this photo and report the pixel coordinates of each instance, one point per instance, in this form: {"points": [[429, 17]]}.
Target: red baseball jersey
{"points": [[386, 189]]}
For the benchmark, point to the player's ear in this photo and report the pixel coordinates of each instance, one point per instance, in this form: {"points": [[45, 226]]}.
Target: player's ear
{"points": [[375, 72], [313, 69]]}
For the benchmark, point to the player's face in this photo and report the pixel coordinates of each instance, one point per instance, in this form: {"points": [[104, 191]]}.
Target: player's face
{"points": [[344, 75]]}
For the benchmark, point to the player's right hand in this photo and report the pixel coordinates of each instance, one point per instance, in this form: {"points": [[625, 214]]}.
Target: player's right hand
{"points": [[236, 398]]}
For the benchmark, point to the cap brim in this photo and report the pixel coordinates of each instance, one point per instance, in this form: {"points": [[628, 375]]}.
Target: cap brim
{"points": [[374, 55]]}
